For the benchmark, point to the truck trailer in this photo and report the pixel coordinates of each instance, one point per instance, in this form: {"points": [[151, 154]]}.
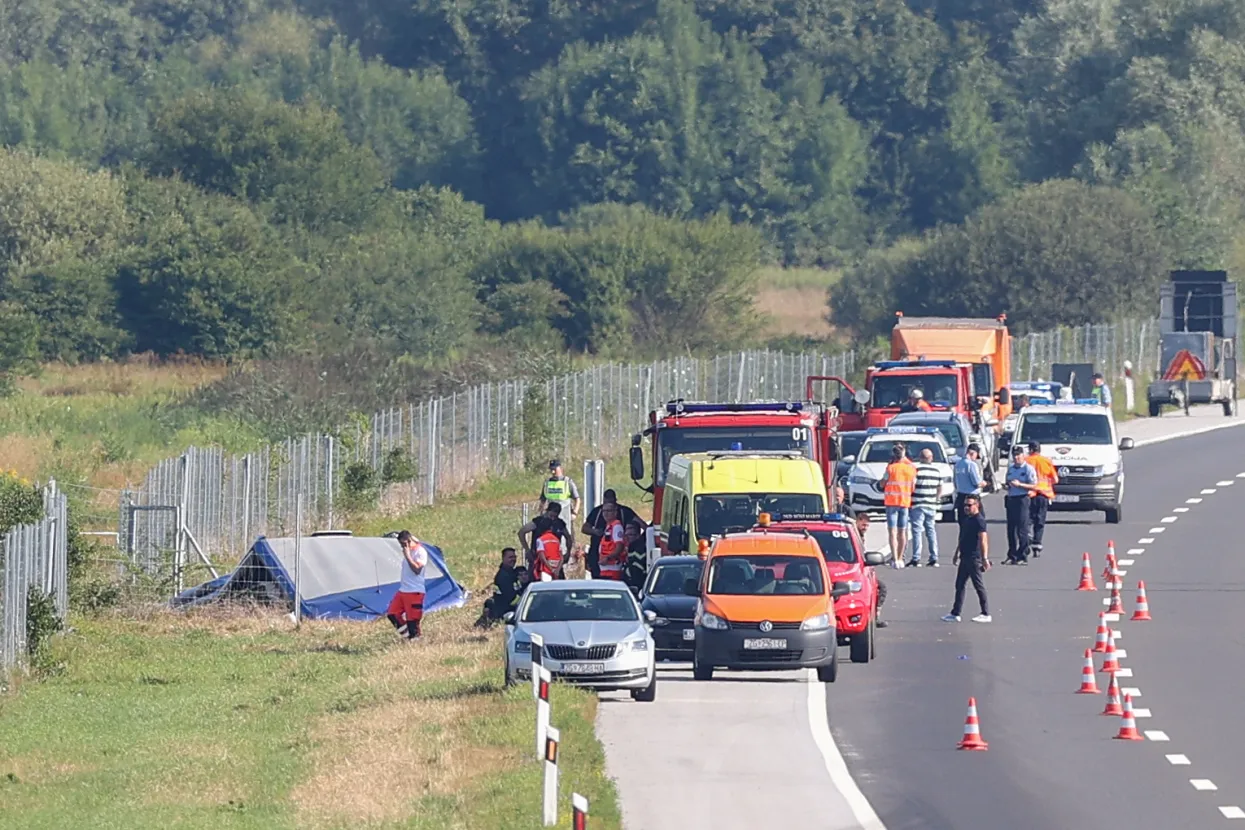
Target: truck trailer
{"points": [[1198, 315]]}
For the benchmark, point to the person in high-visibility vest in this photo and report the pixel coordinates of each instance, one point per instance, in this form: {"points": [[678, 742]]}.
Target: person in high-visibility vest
{"points": [[916, 402], [897, 497], [1040, 497], [560, 489], [1100, 391], [613, 553], [548, 557]]}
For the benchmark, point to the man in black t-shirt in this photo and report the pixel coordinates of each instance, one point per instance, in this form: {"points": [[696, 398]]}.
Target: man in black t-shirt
{"points": [[972, 555], [594, 527]]}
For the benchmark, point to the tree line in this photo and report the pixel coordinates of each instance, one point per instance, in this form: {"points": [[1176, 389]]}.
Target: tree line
{"points": [[433, 177]]}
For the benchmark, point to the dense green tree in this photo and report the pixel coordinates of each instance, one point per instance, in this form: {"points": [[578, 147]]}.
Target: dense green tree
{"points": [[75, 303]]}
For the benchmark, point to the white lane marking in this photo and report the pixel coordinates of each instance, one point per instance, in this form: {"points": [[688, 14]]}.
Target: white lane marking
{"points": [[1178, 760], [1120, 572], [1180, 510], [1157, 530], [1227, 483], [1202, 784], [1192, 501], [1232, 812], [1106, 600], [1144, 442], [1240, 475], [1149, 540], [1119, 635], [1209, 491], [1127, 562], [1121, 653], [1156, 735], [1168, 519], [1131, 690], [1141, 713], [1135, 551], [1124, 672], [1110, 617], [835, 765]]}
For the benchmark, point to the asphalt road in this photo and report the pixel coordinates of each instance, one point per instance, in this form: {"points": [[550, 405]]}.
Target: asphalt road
{"points": [[743, 751]]}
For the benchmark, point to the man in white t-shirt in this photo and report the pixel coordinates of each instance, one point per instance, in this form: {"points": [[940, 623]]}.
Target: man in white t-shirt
{"points": [[406, 610]]}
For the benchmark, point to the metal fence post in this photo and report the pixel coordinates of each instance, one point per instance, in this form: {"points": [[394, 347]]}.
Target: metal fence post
{"points": [[298, 561]]}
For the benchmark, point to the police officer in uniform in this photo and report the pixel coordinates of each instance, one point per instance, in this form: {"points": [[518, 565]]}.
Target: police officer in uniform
{"points": [[560, 489]]}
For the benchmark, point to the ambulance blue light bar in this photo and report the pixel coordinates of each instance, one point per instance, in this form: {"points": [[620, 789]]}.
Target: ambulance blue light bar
{"points": [[917, 364], [680, 408], [903, 430]]}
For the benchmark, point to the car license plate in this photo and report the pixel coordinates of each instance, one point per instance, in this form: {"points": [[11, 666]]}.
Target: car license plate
{"points": [[689, 634], [1066, 499], [765, 644], [583, 668]]}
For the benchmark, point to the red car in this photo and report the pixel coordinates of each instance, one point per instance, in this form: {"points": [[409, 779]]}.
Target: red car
{"points": [[846, 560]]}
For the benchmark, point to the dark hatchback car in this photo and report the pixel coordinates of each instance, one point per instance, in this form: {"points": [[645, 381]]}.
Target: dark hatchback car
{"points": [[671, 592]]}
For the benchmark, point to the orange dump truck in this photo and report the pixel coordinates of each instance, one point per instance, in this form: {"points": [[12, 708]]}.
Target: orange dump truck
{"points": [[985, 343]]}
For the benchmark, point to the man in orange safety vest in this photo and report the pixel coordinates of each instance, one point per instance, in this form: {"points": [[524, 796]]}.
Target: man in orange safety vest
{"points": [[1042, 495], [613, 550], [897, 497]]}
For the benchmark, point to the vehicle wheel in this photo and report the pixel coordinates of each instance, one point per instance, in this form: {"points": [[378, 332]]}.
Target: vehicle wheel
{"points": [[649, 693], [862, 645], [699, 670], [509, 679], [1113, 514], [1155, 409], [827, 674]]}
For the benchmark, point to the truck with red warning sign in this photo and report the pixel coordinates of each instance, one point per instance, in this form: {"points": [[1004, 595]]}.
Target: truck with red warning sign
{"points": [[1198, 315]]}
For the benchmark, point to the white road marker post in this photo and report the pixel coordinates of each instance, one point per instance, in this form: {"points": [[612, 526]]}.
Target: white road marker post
{"points": [[1129, 401], [551, 777], [538, 653], [542, 711], [579, 812]]}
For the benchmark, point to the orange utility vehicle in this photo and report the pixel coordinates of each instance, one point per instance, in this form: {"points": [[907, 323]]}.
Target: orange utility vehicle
{"points": [[983, 343], [766, 603]]}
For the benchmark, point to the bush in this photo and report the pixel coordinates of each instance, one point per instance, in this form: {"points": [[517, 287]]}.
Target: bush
{"points": [[21, 503], [42, 624], [399, 467], [360, 487]]}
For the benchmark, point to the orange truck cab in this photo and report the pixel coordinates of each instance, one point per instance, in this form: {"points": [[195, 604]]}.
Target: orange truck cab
{"points": [[984, 344], [766, 604]]}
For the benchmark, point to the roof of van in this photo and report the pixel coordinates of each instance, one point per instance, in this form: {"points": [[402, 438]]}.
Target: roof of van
{"points": [[749, 473], [760, 542]]}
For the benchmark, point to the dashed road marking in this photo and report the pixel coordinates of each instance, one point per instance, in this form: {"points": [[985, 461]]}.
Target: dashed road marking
{"points": [[1110, 617], [1156, 735], [1121, 653], [1149, 540], [1178, 760], [1141, 713], [1202, 784], [1127, 562], [1168, 519], [1124, 672], [1119, 635], [1240, 475], [1192, 501], [1180, 510], [1232, 812], [1209, 491], [1226, 483], [1135, 551], [1131, 690], [1121, 572], [1157, 530]]}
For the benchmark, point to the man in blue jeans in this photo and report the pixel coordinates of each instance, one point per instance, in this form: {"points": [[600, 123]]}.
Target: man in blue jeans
{"points": [[924, 513]]}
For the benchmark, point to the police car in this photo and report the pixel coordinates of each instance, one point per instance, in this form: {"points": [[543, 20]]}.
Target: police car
{"points": [[867, 481], [1081, 440], [1023, 394]]}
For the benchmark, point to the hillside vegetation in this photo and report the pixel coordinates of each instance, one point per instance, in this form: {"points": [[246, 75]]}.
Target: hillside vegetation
{"points": [[435, 191]]}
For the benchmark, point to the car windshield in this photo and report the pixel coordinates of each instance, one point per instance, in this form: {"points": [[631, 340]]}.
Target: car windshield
{"points": [[580, 604], [684, 440], [852, 442], [879, 451], [673, 578], [739, 511], [777, 574], [890, 390], [950, 429], [836, 545], [1064, 428]]}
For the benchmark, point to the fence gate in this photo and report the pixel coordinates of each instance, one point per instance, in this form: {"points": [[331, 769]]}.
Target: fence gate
{"points": [[157, 542]]}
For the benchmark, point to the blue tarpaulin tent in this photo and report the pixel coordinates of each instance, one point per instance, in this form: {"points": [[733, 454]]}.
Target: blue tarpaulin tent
{"points": [[340, 576]]}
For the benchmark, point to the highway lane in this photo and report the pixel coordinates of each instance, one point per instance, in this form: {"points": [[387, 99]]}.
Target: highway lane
{"points": [[1052, 761], [738, 753]]}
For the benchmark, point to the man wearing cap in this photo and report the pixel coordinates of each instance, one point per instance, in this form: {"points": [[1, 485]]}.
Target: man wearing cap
{"points": [[1021, 480], [967, 479], [1041, 496], [560, 489]]}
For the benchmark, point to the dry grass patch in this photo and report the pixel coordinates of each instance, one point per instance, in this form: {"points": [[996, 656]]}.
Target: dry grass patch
{"points": [[24, 453], [138, 374], [798, 311]]}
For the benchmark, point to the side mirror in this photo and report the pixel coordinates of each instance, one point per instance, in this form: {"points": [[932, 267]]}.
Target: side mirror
{"points": [[1127, 444], [874, 558], [849, 459], [637, 461], [1004, 396], [508, 618], [676, 541], [862, 396], [650, 617], [840, 589]]}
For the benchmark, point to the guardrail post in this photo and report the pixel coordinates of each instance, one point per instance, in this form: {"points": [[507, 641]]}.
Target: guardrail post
{"points": [[579, 812], [551, 777], [542, 709]]}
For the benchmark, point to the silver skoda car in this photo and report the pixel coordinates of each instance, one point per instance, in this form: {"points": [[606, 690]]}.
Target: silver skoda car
{"points": [[594, 632]]}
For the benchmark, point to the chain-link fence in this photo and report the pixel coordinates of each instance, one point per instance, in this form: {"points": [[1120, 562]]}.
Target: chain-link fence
{"points": [[32, 556], [208, 504]]}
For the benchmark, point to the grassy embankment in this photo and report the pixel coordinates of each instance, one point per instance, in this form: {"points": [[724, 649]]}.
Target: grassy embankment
{"points": [[794, 301]]}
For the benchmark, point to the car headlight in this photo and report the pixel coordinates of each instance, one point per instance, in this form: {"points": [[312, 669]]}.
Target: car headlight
{"points": [[661, 621], [712, 621], [859, 478], [818, 623], [636, 645], [523, 647], [1108, 469]]}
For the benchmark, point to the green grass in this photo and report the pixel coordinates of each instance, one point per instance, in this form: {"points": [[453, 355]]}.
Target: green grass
{"points": [[777, 278], [237, 721]]}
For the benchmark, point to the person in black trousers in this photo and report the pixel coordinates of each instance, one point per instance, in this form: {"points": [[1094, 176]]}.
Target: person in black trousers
{"points": [[1021, 481], [972, 555]]}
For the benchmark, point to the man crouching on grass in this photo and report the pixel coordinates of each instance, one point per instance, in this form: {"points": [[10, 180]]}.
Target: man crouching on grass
{"points": [[406, 610]]}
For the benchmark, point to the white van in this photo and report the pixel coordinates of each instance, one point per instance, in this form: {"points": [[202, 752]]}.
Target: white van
{"points": [[1081, 440]]}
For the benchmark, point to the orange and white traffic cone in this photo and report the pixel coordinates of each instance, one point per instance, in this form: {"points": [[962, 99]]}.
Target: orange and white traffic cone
{"points": [[1087, 575], [1102, 635], [1114, 707], [1089, 686], [1106, 572], [972, 729], [1128, 724], [1117, 604], [1143, 607], [1110, 662]]}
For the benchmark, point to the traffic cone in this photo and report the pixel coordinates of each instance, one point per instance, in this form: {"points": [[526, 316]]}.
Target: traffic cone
{"points": [[1110, 663], [1143, 607], [1103, 634], [1089, 686], [1113, 698], [972, 729], [1117, 605], [1110, 568], [1128, 724], [1087, 575]]}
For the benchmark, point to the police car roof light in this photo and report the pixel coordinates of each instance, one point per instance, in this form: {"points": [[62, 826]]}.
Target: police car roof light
{"points": [[902, 429], [1040, 385], [1093, 401], [910, 364], [678, 407]]}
